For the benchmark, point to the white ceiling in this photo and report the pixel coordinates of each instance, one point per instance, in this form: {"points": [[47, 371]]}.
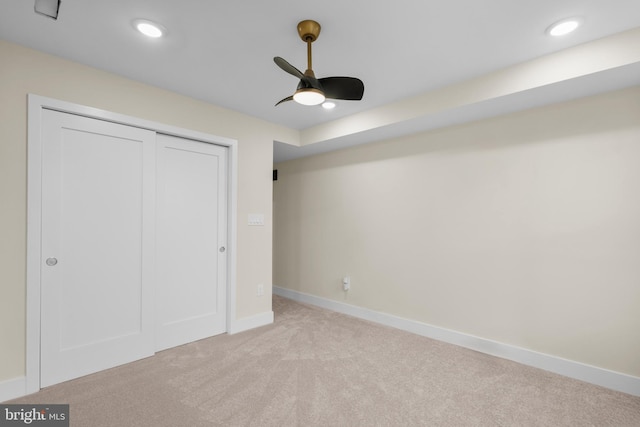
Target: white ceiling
{"points": [[222, 52]]}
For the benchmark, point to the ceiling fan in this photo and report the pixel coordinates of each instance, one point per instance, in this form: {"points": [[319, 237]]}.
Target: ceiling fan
{"points": [[312, 91]]}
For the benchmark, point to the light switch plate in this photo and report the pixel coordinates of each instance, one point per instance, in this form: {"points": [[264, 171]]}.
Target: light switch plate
{"points": [[256, 219]]}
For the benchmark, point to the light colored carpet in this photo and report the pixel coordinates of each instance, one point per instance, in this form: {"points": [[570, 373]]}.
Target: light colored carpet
{"points": [[313, 367]]}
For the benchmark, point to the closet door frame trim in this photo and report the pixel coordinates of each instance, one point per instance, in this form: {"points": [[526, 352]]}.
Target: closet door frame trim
{"points": [[36, 104]]}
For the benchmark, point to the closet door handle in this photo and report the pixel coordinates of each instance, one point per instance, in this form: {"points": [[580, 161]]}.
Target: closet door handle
{"points": [[222, 249], [51, 262]]}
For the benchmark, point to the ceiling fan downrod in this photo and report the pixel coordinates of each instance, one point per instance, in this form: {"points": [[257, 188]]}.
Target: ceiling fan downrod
{"points": [[309, 30]]}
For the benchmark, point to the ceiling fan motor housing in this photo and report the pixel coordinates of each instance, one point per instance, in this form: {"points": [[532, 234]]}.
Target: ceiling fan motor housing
{"points": [[309, 30]]}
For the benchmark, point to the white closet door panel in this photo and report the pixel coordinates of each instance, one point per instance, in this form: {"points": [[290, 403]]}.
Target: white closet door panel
{"points": [[98, 214], [191, 215]]}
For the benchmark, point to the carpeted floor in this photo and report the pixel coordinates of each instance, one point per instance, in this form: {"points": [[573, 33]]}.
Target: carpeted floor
{"points": [[313, 367]]}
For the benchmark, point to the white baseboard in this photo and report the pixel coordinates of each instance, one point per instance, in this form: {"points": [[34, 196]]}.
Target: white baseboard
{"points": [[244, 324], [12, 389], [572, 369]]}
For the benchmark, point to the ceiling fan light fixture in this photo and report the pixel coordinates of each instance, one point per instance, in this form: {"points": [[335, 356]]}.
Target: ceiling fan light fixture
{"points": [[309, 96]]}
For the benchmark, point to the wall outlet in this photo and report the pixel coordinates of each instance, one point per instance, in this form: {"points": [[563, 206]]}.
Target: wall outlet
{"points": [[260, 291], [346, 283]]}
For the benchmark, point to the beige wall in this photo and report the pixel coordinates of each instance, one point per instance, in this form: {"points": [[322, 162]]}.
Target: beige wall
{"points": [[524, 229], [24, 71]]}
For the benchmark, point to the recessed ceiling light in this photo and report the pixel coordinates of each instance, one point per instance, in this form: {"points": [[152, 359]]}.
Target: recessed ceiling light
{"points": [[329, 105], [148, 28], [563, 27]]}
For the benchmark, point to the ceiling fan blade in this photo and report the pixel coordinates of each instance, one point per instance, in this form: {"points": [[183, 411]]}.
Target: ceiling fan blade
{"points": [[348, 88], [288, 98], [280, 62]]}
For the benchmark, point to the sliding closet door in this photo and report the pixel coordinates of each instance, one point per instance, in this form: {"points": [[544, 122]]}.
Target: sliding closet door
{"points": [[97, 245], [191, 239]]}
